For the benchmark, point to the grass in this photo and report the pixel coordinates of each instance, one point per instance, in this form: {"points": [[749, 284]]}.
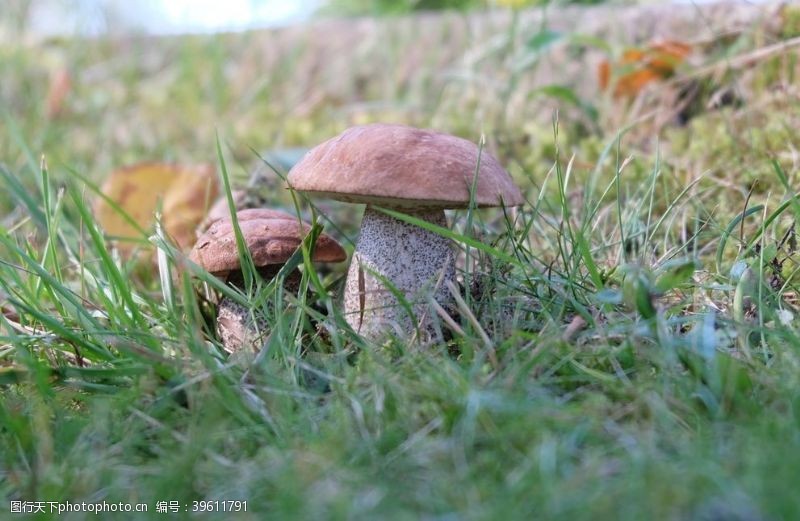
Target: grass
{"points": [[627, 349]]}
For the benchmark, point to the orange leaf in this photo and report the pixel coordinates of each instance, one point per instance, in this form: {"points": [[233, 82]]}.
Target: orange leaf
{"points": [[183, 193], [638, 67], [666, 56], [632, 55], [632, 83], [604, 74]]}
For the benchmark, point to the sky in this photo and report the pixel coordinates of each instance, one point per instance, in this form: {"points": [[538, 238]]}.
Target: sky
{"points": [[95, 17], [210, 14]]}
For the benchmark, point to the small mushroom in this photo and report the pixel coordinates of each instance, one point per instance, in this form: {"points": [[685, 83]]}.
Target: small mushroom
{"points": [[271, 240], [241, 201], [420, 173]]}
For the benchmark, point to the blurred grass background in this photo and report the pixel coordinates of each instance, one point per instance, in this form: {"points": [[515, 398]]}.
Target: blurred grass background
{"points": [[677, 398]]}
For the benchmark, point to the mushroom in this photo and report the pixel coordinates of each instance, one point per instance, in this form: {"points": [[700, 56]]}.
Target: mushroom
{"points": [[272, 237], [220, 211], [417, 172]]}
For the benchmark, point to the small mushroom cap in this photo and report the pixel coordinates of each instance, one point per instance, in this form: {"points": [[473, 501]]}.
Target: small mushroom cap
{"points": [[270, 241], [403, 167], [219, 210], [264, 213]]}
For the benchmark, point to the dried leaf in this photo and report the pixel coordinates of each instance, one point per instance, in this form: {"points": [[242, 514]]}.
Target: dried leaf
{"points": [[57, 90], [639, 67], [666, 56], [604, 74], [631, 84], [184, 194]]}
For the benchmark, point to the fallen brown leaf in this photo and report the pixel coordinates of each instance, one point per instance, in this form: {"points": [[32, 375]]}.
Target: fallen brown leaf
{"points": [[638, 67], [57, 91], [184, 194]]}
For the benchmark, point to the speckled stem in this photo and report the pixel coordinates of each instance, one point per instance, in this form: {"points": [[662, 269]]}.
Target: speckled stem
{"points": [[235, 325], [417, 262]]}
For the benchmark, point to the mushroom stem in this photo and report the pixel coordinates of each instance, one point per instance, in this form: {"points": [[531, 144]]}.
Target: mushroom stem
{"points": [[235, 325], [415, 261]]}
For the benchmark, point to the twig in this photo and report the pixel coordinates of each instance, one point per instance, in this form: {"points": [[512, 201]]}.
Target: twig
{"points": [[462, 306], [573, 328], [444, 315], [738, 62]]}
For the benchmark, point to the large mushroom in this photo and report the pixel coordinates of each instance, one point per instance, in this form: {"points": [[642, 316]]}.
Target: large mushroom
{"points": [[417, 172], [272, 237]]}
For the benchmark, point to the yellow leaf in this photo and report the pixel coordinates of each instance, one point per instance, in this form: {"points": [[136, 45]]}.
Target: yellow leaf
{"points": [[184, 194]]}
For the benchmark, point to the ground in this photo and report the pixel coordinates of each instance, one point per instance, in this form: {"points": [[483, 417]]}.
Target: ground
{"points": [[627, 348]]}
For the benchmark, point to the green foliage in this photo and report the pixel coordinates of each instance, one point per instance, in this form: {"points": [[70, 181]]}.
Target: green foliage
{"points": [[395, 7]]}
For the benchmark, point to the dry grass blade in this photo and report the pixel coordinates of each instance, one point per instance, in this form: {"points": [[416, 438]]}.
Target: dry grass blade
{"points": [[467, 312]]}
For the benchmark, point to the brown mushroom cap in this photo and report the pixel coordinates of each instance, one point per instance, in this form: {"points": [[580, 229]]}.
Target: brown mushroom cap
{"points": [[219, 210], [250, 214], [270, 241], [406, 167]]}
